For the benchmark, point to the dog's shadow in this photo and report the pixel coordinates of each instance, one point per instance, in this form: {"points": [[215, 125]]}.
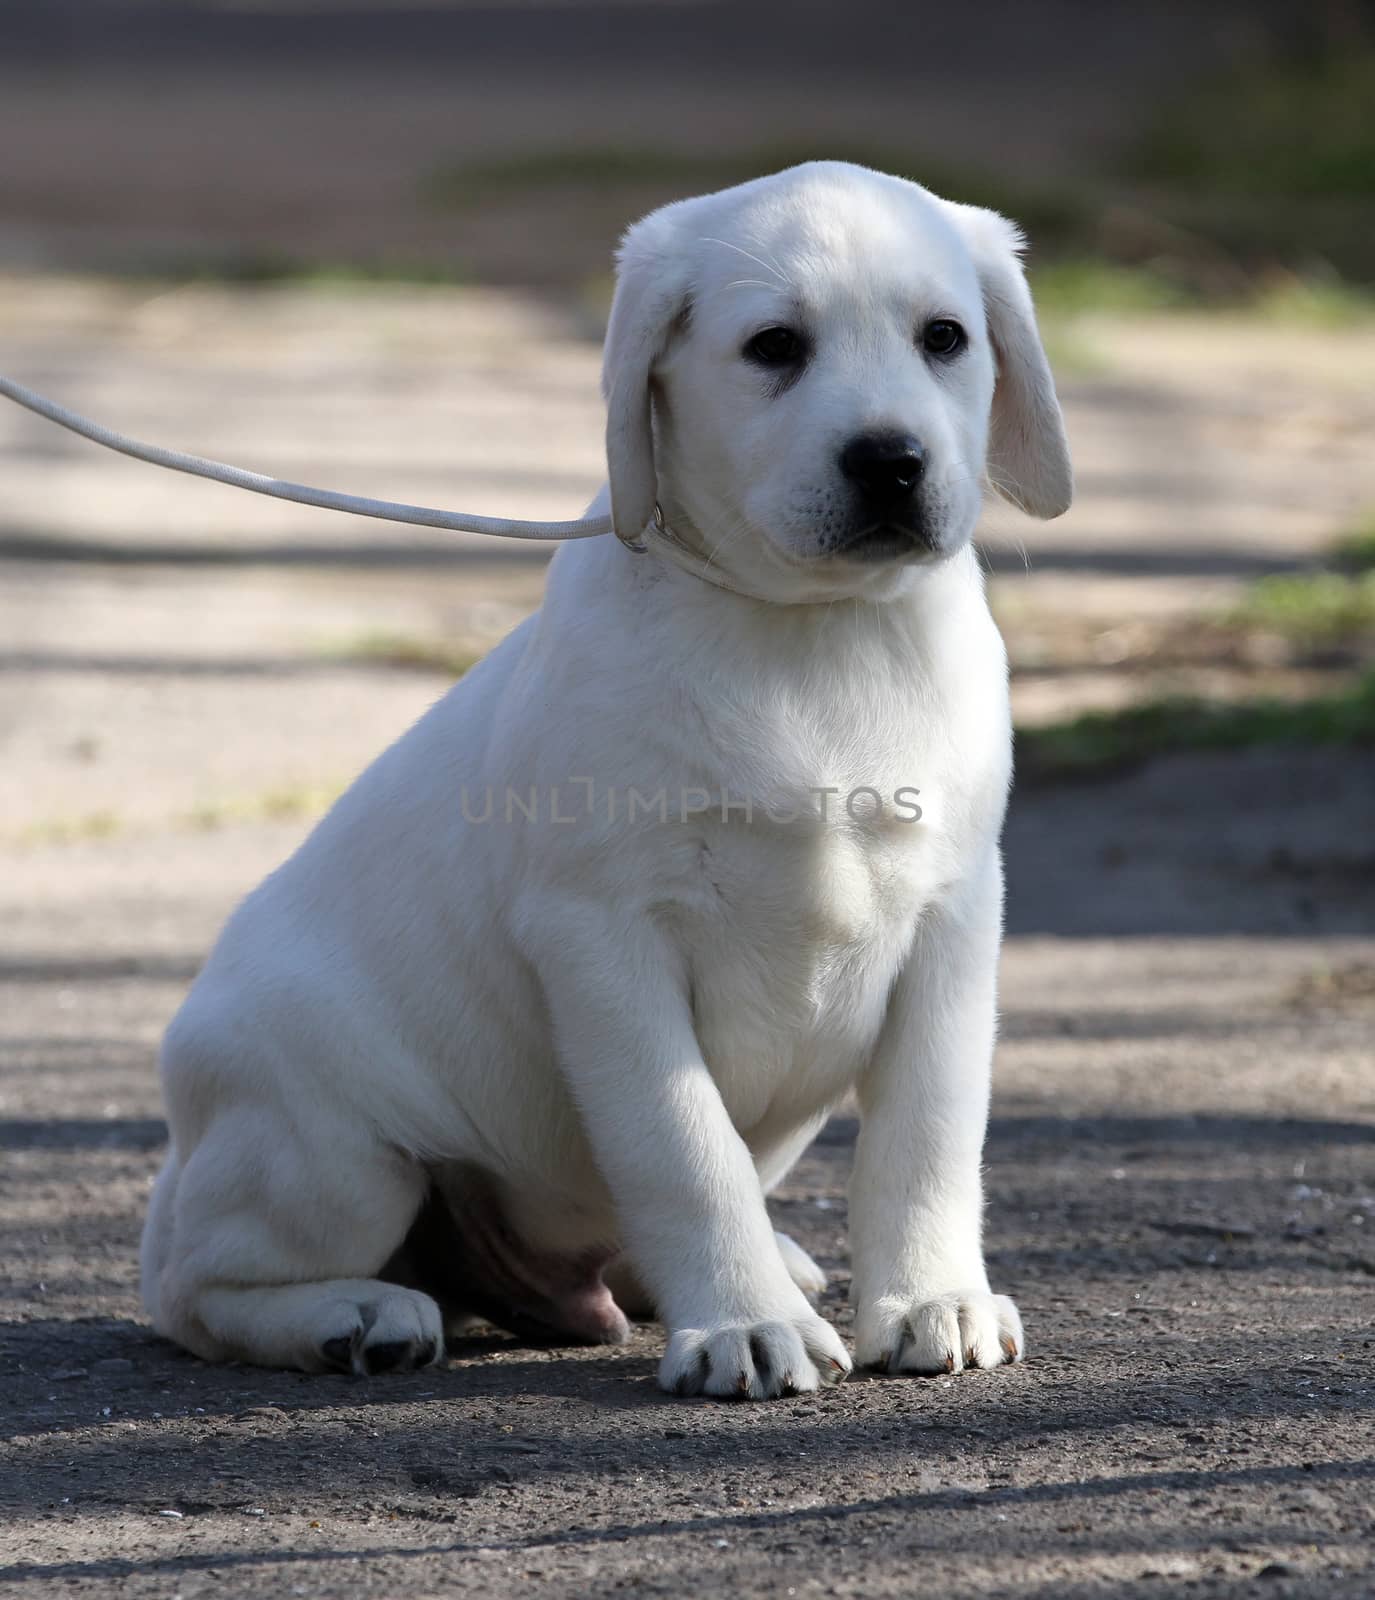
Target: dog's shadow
{"points": [[123, 1365]]}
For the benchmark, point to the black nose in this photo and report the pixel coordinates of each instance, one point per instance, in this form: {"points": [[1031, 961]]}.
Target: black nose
{"points": [[885, 467]]}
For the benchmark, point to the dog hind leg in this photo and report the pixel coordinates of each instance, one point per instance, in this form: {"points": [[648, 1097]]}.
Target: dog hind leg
{"points": [[264, 1246]]}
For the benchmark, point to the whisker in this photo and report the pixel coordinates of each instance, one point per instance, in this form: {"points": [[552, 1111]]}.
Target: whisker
{"points": [[999, 538], [990, 477], [739, 250]]}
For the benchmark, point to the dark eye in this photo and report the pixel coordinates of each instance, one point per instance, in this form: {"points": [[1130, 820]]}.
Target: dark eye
{"points": [[775, 347], [943, 337]]}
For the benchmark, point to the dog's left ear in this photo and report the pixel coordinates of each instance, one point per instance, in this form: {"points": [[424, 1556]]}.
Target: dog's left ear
{"points": [[651, 295], [1028, 454]]}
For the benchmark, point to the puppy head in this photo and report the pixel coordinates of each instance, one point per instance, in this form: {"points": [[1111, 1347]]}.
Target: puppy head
{"points": [[814, 375]]}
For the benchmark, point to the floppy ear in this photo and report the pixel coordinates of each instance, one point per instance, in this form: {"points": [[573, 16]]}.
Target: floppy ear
{"points": [[1028, 454], [651, 294]]}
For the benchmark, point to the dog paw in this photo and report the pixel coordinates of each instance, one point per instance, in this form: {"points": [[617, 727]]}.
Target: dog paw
{"points": [[400, 1331], [945, 1334], [754, 1361], [801, 1268]]}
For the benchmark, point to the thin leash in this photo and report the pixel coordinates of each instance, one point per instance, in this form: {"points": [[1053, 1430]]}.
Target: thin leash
{"points": [[303, 494], [385, 510]]}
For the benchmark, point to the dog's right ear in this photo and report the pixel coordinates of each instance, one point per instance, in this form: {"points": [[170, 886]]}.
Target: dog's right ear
{"points": [[651, 295]]}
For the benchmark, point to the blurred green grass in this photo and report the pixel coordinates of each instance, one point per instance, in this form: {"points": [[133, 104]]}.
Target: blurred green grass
{"points": [[1284, 297], [1335, 605], [1299, 127], [1332, 608], [406, 651], [1101, 744], [269, 268], [1355, 551], [1310, 608], [678, 173]]}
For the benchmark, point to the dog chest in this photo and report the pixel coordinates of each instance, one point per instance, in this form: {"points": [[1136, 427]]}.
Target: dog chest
{"points": [[793, 944]]}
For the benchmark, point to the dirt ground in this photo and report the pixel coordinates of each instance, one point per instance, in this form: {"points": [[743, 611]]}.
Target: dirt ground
{"points": [[1182, 1157]]}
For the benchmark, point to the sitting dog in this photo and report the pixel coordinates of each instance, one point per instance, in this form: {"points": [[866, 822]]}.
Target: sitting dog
{"points": [[532, 1022]]}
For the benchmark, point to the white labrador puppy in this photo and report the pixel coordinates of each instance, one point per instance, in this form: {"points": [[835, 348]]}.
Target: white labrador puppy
{"points": [[569, 978]]}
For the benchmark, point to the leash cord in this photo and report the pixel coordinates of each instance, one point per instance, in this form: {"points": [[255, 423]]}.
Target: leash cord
{"points": [[304, 494]]}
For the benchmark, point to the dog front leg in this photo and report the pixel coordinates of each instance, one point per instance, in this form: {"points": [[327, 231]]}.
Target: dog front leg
{"points": [[920, 1288], [683, 1182]]}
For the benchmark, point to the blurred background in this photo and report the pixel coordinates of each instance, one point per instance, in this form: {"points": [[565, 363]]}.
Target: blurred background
{"points": [[368, 246]]}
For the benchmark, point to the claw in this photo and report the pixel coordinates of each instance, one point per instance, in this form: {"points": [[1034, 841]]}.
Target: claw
{"points": [[339, 1353], [394, 1356]]}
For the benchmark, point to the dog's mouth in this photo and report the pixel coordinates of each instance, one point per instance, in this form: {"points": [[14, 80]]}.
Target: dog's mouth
{"points": [[888, 540]]}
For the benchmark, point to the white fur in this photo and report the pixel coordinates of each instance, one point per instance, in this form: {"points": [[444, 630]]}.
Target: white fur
{"points": [[634, 1027]]}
